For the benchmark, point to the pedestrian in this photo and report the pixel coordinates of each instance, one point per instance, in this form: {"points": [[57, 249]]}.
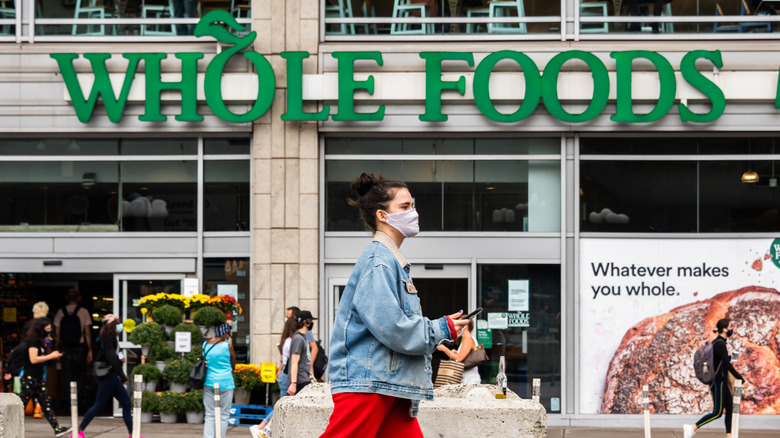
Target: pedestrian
{"points": [[381, 345], [314, 349], [467, 344], [284, 348], [73, 337], [291, 311], [40, 310], [300, 355], [220, 361], [721, 394], [36, 360], [112, 384]]}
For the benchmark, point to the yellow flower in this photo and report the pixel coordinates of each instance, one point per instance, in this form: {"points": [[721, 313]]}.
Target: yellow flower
{"points": [[144, 310]]}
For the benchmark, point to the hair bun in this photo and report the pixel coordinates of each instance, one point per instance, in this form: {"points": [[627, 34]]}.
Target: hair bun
{"points": [[364, 183]]}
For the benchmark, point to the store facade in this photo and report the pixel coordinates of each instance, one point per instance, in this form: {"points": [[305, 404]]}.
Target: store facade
{"points": [[535, 159]]}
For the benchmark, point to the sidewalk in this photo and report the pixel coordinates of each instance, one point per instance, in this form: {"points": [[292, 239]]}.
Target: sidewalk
{"points": [[115, 428]]}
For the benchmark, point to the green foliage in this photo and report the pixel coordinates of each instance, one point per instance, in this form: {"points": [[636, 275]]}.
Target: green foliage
{"points": [[193, 401], [247, 379], [171, 403], [148, 333], [150, 401], [178, 371], [167, 315], [162, 351], [195, 354], [149, 372], [208, 316], [197, 336]]}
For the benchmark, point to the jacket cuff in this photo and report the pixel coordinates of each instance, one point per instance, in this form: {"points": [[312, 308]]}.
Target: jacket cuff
{"points": [[451, 326]]}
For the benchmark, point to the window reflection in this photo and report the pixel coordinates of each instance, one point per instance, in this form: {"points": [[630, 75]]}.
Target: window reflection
{"points": [[159, 196]]}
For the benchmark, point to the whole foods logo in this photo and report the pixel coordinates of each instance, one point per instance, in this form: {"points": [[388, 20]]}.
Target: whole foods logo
{"points": [[774, 251]]}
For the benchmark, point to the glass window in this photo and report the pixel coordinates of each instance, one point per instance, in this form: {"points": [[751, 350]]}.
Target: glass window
{"points": [[230, 276], [58, 146], [521, 321], [447, 146], [677, 146], [58, 196], [226, 146], [226, 196], [159, 146], [159, 196]]}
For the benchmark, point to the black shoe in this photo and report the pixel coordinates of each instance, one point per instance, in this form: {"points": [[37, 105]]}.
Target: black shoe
{"points": [[62, 431]]}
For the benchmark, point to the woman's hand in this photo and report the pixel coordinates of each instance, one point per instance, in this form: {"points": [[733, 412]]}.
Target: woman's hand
{"points": [[55, 355], [291, 389], [442, 348]]}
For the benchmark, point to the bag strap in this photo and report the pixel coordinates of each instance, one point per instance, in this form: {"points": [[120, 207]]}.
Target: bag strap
{"points": [[204, 353]]}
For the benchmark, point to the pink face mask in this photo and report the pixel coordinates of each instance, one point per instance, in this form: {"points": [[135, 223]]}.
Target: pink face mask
{"points": [[406, 222]]}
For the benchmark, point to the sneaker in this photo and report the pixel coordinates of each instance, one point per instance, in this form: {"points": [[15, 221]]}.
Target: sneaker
{"points": [[688, 431], [61, 431], [81, 434], [255, 430]]}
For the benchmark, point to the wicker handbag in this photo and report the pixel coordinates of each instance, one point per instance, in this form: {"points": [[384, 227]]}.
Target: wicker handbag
{"points": [[477, 356], [450, 373]]}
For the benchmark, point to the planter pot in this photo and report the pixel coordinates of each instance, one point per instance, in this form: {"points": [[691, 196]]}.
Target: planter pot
{"points": [[145, 350], [160, 365], [150, 386], [203, 329], [241, 396], [168, 418], [168, 329], [179, 387], [195, 417], [171, 343], [147, 417], [209, 333]]}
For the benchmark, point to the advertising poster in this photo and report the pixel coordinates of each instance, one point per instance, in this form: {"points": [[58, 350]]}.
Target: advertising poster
{"points": [[518, 295], [646, 305]]}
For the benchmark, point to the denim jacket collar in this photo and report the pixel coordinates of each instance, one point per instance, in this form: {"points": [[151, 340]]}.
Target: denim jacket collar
{"points": [[387, 241]]}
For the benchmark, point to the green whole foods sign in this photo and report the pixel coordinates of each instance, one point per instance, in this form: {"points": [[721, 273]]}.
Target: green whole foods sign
{"points": [[538, 87]]}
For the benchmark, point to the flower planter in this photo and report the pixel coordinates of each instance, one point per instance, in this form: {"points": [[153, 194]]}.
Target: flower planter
{"points": [[150, 386], [195, 417], [241, 396], [168, 418], [145, 350], [178, 387], [168, 329], [147, 417], [203, 329], [160, 364]]}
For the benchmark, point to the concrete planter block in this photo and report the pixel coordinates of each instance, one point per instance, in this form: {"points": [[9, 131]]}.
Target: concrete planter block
{"points": [[456, 411], [11, 416]]}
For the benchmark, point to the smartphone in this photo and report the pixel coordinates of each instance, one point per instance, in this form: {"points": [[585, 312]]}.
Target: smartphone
{"points": [[734, 357], [472, 314]]}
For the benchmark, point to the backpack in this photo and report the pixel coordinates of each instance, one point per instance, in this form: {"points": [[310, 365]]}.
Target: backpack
{"points": [[70, 328], [16, 360], [320, 362], [703, 361]]}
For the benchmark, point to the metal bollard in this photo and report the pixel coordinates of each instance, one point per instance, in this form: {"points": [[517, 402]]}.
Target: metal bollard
{"points": [[537, 391], [217, 412], [74, 410], [137, 385], [646, 405], [737, 398]]}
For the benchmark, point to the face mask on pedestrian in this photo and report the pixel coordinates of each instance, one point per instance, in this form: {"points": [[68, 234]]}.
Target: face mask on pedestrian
{"points": [[120, 327], [407, 222], [729, 332], [310, 325]]}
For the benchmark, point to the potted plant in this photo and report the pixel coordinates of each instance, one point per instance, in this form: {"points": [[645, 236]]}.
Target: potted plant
{"points": [[193, 406], [247, 378], [150, 402], [146, 335], [160, 354], [197, 302], [178, 373], [226, 304], [206, 318], [150, 374], [194, 354], [168, 316], [171, 404], [197, 336]]}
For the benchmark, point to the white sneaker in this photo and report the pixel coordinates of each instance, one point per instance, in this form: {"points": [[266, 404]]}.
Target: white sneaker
{"points": [[255, 430], [688, 431]]}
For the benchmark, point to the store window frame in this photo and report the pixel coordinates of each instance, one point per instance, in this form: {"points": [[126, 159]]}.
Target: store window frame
{"points": [[29, 26]]}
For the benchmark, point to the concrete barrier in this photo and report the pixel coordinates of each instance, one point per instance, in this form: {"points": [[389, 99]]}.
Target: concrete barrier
{"points": [[456, 411], [11, 416]]}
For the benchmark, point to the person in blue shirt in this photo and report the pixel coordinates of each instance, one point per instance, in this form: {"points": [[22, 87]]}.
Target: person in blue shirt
{"points": [[220, 361], [381, 344]]}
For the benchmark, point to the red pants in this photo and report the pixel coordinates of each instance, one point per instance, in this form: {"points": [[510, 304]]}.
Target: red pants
{"points": [[371, 415]]}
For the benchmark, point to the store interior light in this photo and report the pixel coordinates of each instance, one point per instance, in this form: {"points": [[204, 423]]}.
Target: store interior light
{"points": [[750, 177], [88, 180], [73, 146]]}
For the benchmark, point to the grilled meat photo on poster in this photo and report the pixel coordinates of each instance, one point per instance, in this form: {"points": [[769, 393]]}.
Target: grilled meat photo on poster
{"points": [[658, 351]]}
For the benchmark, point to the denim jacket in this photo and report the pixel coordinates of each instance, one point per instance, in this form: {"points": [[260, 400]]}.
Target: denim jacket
{"points": [[381, 343]]}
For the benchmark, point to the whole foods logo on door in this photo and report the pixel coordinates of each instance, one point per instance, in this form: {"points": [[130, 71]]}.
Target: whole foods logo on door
{"points": [[536, 87], [646, 305]]}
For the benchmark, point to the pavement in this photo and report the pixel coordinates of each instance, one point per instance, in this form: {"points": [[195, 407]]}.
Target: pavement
{"points": [[115, 428]]}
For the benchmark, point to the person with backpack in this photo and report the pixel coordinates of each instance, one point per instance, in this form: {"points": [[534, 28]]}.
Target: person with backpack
{"points": [[36, 360], [73, 337], [220, 361], [719, 388], [300, 355], [314, 346]]}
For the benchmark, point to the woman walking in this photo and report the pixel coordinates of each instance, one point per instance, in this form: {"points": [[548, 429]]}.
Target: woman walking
{"points": [[36, 360], [220, 361], [467, 343], [112, 384], [381, 346], [290, 325], [300, 355]]}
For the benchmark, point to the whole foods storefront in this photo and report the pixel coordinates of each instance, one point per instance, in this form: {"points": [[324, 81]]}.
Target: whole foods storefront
{"points": [[532, 170]]}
